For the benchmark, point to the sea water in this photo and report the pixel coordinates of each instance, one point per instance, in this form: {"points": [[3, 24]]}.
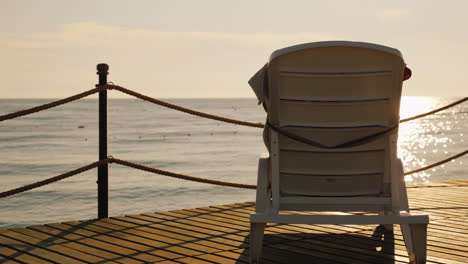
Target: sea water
{"points": [[52, 142]]}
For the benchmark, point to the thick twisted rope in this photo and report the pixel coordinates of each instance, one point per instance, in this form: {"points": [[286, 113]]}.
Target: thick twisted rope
{"points": [[437, 163], [111, 159], [434, 111], [240, 122], [53, 179], [183, 109], [239, 185], [180, 176], [175, 107], [52, 104], [352, 143]]}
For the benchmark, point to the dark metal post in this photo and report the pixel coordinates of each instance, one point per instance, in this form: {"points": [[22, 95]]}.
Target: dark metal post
{"points": [[103, 208]]}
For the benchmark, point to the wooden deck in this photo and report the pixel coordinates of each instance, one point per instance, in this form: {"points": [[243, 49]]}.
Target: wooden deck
{"points": [[219, 234]]}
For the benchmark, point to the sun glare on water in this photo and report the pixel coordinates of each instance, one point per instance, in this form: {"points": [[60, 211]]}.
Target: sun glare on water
{"points": [[424, 137], [414, 105]]}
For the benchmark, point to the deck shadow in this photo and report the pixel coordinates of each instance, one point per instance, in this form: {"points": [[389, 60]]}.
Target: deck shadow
{"points": [[327, 248]]}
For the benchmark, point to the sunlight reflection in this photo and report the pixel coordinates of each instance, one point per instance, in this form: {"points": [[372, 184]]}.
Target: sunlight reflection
{"points": [[414, 105], [429, 137]]}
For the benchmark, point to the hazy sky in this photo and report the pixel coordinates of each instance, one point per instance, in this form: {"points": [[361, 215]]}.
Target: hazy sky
{"points": [[49, 49]]}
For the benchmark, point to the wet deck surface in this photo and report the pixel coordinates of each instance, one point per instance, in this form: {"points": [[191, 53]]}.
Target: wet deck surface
{"points": [[219, 234]]}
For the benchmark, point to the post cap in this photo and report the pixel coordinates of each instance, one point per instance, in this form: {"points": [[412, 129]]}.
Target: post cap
{"points": [[102, 68]]}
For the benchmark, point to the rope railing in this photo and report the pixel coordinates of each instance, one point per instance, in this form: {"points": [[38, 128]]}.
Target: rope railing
{"points": [[183, 109], [240, 122], [434, 111], [53, 179], [142, 167], [437, 163], [102, 87], [177, 107], [52, 104], [179, 175]]}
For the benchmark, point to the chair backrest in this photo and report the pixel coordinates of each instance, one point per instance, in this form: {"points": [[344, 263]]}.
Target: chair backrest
{"points": [[333, 92]]}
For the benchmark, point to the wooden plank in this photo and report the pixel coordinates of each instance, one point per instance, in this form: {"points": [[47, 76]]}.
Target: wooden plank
{"points": [[210, 226], [104, 242], [433, 253], [289, 243], [41, 248], [88, 253], [188, 249], [149, 237], [213, 258], [190, 260], [219, 220], [220, 234], [5, 260], [86, 245], [21, 254], [122, 242], [317, 236], [401, 242], [182, 227], [185, 235], [214, 224]]}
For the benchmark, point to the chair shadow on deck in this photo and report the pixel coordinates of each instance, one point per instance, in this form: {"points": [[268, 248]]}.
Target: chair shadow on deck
{"points": [[327, 248]]}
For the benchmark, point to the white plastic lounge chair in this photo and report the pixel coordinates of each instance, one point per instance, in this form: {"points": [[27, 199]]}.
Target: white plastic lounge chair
{"points": [[331, 93]]}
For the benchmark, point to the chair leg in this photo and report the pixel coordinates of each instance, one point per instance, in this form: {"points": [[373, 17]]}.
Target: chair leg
{"points": [[256, 241], [415, 236], [388, 227]]}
